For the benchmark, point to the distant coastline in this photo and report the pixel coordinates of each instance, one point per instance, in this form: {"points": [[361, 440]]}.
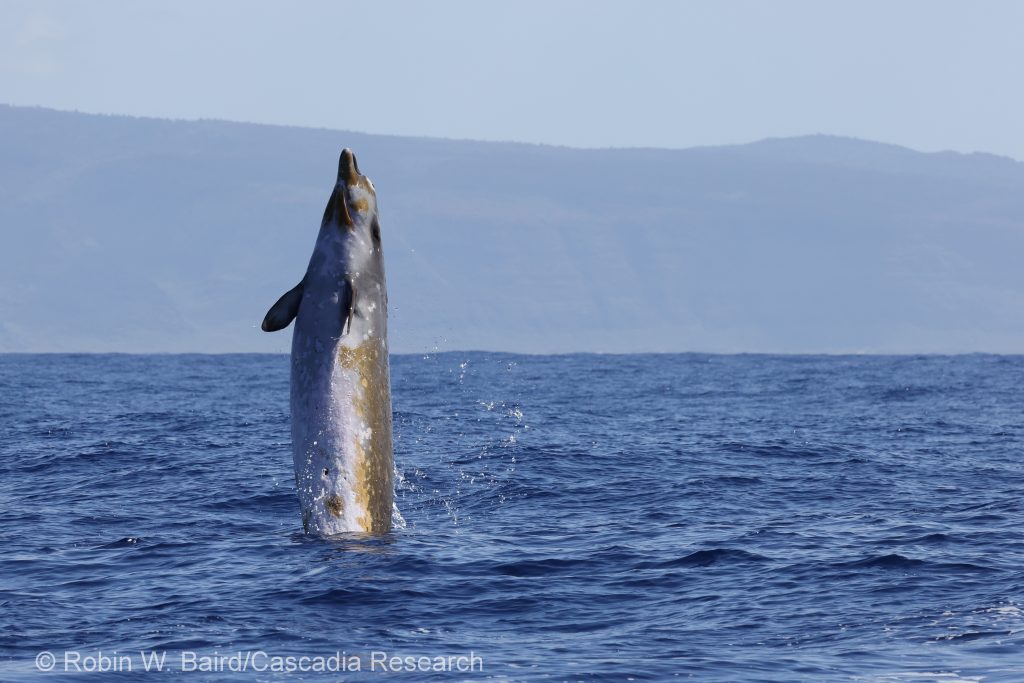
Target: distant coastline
{"points": [[146, 235]]}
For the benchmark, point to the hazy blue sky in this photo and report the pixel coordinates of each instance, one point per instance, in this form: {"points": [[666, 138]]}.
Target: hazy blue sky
{"points": [[927, 74]]}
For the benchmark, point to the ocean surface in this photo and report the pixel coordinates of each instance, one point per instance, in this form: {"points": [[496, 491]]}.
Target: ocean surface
{"points": [[577, 518]]}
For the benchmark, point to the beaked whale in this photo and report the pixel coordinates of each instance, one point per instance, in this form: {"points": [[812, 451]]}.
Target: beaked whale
{"points": [[340, 379]]}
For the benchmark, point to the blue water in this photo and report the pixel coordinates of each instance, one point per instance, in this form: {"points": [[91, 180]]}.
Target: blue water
{"points": [[599, 518]]}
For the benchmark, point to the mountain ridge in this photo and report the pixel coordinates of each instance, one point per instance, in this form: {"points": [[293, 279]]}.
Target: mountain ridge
{"points": [[184, 232], [767, 141]]}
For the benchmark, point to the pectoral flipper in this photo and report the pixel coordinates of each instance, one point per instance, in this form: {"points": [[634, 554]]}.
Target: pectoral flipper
{"points": [[282, 313]]}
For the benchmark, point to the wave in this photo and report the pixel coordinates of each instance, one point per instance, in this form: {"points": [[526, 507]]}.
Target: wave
{"points": [[126, 542], [897, 561], [704, 558]]}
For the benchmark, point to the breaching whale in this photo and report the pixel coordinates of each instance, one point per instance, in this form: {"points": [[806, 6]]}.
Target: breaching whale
{"points": [[340, 380]]}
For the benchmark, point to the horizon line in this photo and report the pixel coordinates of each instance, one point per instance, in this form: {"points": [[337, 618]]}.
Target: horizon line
{"points": [[790, 354]]}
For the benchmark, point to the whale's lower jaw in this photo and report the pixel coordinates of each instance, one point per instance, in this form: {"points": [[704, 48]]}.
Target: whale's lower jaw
{"points": [[341, 436]]}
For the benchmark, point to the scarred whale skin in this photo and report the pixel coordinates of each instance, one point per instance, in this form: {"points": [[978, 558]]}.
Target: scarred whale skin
{"points": [[340, 378]]}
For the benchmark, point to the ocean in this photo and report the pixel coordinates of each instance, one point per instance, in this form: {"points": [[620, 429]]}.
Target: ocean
{"points": [[563, 518]]}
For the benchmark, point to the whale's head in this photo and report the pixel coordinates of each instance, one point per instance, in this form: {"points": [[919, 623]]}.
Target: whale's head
{"points": [[353, 203], [347, 263]]}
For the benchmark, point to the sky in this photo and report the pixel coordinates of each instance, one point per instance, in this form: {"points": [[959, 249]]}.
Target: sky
{"points": [[931, 75]]}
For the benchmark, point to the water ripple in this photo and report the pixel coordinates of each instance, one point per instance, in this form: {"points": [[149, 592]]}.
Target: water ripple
{"points": [[581, 517]]}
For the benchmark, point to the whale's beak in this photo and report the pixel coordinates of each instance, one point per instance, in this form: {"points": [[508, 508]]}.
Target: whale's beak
{"points": [[348, 175], [348, 169]]}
